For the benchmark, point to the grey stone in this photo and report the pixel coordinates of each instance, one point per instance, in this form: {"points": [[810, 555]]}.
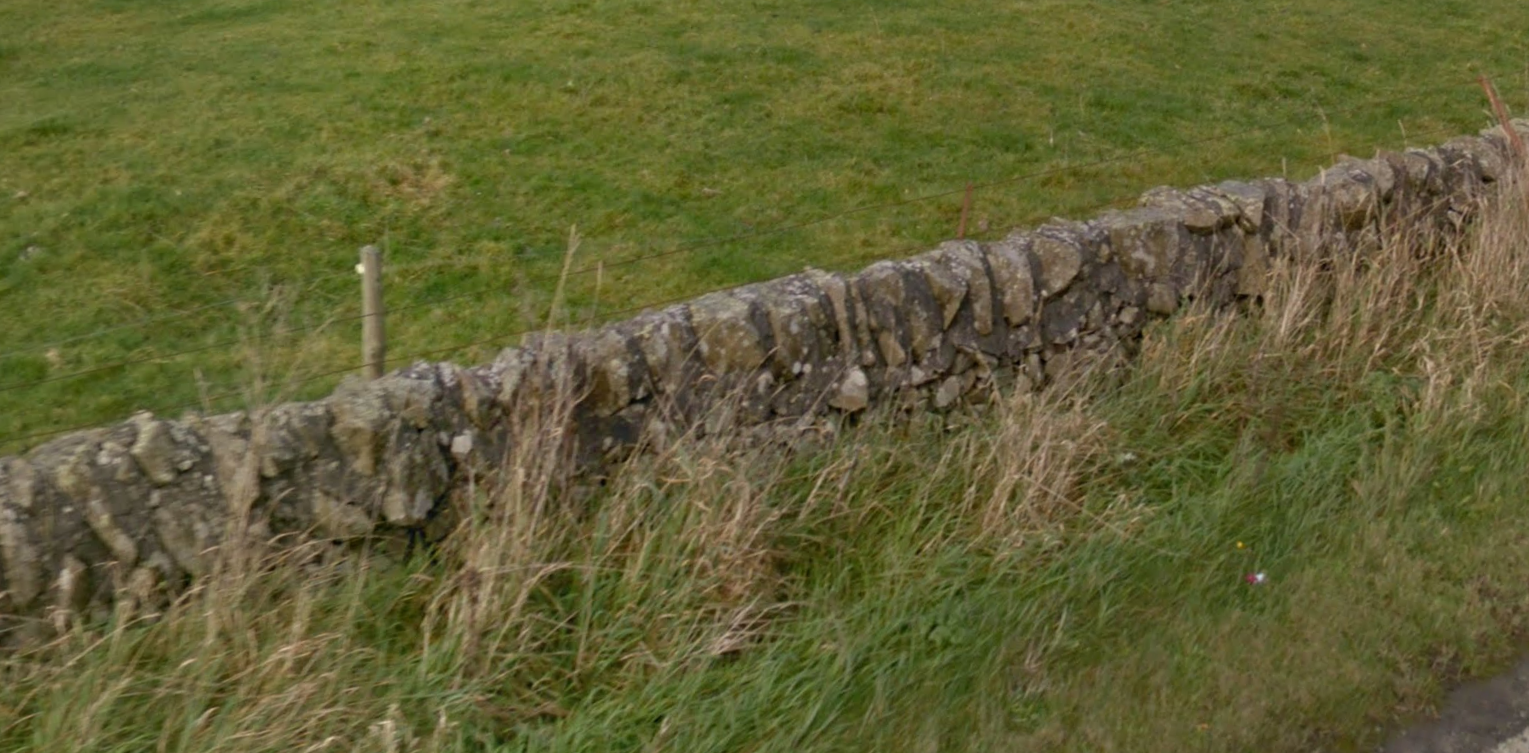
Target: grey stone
{"points": [[154, 450], [24, 566], [1147, 241], [71, 589], [187, 532], [881, 287], [853, 393], [802, 324], [1060, 262], [1199, 210], [1253, 276], [947, 287], [964, 261], [1249, 199], [1014, 277], [616, 370], [949, 392], [837, 290], [667, 341], [1491, 154], [338, 520], [729, 339], [462, 446], [101, 521], [1347, 193], [1161, 299]]}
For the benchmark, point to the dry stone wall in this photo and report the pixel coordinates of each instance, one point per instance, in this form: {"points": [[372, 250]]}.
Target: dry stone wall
{"points": [[126, 514]]}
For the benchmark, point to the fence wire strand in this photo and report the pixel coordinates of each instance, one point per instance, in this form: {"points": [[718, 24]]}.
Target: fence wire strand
{"points": [[683, 248]]}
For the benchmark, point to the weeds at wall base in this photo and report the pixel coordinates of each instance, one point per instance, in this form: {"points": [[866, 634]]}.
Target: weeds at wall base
{"points": [[1059, 574]]}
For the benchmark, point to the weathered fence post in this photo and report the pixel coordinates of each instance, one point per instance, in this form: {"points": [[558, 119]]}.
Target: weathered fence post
{"points": [[374, 344]]}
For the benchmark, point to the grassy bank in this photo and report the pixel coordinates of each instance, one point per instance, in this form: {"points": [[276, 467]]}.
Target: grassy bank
{"points": [[1066, 571], [157, 158]]}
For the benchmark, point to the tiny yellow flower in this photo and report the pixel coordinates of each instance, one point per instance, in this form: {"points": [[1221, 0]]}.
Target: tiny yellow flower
{"points": [[1240, 546]]}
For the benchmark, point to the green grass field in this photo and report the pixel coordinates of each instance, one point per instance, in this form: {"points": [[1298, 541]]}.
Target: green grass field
{"points": [[1059, 572], [160, 157]]}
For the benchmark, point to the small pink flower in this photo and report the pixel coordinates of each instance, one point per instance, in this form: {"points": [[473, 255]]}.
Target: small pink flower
{"points": [[1255, 579]]}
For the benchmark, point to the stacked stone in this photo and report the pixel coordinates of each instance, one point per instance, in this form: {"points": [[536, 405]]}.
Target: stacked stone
{"points": [[125, 514]]}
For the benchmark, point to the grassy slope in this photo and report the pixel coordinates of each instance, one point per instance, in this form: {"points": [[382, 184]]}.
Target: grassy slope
{"points": [[159, 156], [1063, 573]]}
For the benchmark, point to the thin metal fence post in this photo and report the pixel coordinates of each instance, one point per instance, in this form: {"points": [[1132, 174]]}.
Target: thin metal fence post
{"points": [[374, 344]]}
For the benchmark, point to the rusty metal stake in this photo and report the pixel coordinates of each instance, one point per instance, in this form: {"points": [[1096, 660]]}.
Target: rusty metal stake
{"points": [[966, 207], [1503, 119]]}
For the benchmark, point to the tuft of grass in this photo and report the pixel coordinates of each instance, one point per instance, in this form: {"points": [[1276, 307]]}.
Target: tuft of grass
{"points": [[1057, 571], [160, 157]]}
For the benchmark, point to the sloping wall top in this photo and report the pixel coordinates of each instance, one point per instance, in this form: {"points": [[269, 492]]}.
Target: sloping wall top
{"points": [[130, 511]]}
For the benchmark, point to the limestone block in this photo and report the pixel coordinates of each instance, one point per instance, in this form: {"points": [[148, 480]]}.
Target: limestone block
{"points": [[21, 561], [1249, 199], [1147, 241], [946, 285], [965, 262], [1202, 210], [854, 392], [802, 324], [729, 337], [1060, 259], [154, 450], [1490, 154], [294, 432], [1014, 274], [1347, 195], [338, 520], [881, 287], [668, 345], [617, 372]]}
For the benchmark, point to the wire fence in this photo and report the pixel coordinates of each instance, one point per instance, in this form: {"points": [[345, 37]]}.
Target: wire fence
{"points": [[292, 383]]}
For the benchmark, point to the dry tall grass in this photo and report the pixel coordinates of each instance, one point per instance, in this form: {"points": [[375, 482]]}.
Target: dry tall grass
{"points": [[832, 594]]}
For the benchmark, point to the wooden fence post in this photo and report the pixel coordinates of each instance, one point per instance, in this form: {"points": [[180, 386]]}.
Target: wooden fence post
{"points": [[374, 345]]}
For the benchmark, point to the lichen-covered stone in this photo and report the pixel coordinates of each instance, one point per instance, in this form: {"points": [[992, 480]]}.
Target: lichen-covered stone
{"points": [[154, 450], [947, 287], [1202, 211], [188, 532], [1253, 276], [121, 544], [881, 287], [727, 332], [1014, 275], [802, 325], [964, 260], [1061, 259], [1249, 199], [1147, 241], [294, 432], [617, 371], [338, 520], [21, 558], [1347, 194], [853, 393], [1491, 154]]}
